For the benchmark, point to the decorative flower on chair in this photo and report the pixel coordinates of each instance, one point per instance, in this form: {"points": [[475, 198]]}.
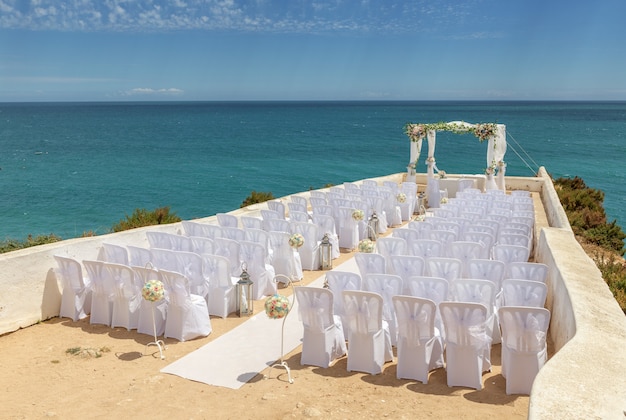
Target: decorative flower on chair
{"points": [[153, 291], [444, 200], [358, 215], [366, 245], [401, 197], [277, 306], [296, 240]]}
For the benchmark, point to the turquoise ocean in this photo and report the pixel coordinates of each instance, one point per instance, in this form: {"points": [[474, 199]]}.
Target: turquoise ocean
{"points": [[69, 168]]}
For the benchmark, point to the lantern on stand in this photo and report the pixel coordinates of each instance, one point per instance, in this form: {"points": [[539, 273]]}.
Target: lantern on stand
{"points": [[245, 304], [372, 227], [326, 248]]}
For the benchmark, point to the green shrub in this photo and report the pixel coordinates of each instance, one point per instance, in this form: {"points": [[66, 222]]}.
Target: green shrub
{"points": [[256, 197], [9, 244], [143, 217]]}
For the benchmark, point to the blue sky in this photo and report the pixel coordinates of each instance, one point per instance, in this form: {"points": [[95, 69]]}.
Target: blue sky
{"points": [[117, 50]]}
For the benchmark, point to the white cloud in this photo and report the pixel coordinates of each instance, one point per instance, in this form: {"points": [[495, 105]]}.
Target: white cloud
{"points": [[153, 92]]}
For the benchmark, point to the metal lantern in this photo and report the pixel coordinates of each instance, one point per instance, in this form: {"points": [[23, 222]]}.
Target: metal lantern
{"points": [[372, 227], [326, 254], [245, 304]]}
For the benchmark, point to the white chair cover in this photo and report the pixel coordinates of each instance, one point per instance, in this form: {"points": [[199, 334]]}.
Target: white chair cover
{"points": [[444, 236], [431, 288], [285, 259], [190, 264], [389, 246], [138, 256], [277, 225], [234, 233], [323, 340], [407, 266], [370, 263], [326, 225], [76, 297], [296, 207], [386, 285], [337, 282], [278, 207], [166, 240], [426, 248], [510, 253], [479, 291], [409, 235], [187, 314], [527, 271], [524, 348], [249, 222], [261, 274], [229, 249], [227, 220], [164, 259], [103, 292], [261, 237], [127, 299], [492, 270], [368, 334], [467, 343], [115, 253], [309, 251], [519, 292], [466, 252], [420, 348], [149, 309], [447, 268], [298, 216], [201, 245], [222, 299], [347, 228], [201, 229]]}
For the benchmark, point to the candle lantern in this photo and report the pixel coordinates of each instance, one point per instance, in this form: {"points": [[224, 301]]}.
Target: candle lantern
{"points": [[245, 304], [326, 248], [372, 227]]}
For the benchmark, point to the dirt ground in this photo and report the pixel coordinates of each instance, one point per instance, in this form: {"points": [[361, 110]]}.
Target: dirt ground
{"points": [[69, 370]]}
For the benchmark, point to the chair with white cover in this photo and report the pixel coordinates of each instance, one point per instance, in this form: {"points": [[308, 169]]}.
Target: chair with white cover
{"points": [[138, 256], [388, 246], [524, 346], [527, 271], [317, 201], [309, 251], [76, 297], [164, 259], [261, 273], [234, 233], [492, 270], [467, 343], [510, 253], [285, 259], [479, 291], [426, 248], [201, 229], [386, 285], [127, 299], [519, 292], [249, 222], [409, 235], [347, 229], [431, 288], [267, 214], [369, 342], [323, 340], [201, 245], [376, 205], [370, 263], [296, 207], [299, 200], [319, 208], [187, 314], [229, 249], [338, 281], [444, 236], [420, 347], [103, 292], [484, 238], [222, 299], [190, 264], [444, 267], [278, 207], [465, 251], [298, 216], [326, 226], [160, 240], [115, 253], [407, 266], [318, 194], [227, 220], [145, 322], [514, 239], [277, 225], [260, 237]]}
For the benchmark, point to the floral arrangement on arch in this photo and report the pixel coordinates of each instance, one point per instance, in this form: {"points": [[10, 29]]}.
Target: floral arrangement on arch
{"points": [[484, 131], [415, 132], [490, 170]]}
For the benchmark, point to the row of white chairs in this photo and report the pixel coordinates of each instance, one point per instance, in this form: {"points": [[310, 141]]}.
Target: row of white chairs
{"points": [[420, 346]]}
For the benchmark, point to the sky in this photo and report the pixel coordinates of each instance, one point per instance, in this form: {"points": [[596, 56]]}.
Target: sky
{"points": [[205, 50]]}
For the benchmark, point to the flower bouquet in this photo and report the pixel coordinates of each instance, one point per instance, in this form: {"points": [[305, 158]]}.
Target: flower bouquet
{"points": [[358, 215], [444, 200], [442, 174], [366, 245], [277, 306], [484, 131], [415, 132], [401, 197], [153, 291], [296, 240]]}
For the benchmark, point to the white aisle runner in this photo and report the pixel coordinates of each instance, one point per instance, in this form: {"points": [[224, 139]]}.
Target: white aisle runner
{"points": [[234, 358]]}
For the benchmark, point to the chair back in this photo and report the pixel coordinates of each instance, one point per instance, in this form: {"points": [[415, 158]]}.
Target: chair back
{"points": [[364, 311], [519, 292], [416, 319], [465, 323], [315, 308], [524, 329]]}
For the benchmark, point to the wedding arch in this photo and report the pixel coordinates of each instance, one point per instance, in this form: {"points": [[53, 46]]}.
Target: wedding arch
{"points": [[494, 134]]}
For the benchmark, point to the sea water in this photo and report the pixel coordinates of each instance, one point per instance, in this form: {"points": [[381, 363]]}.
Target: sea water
{"points": [[70, 168]]}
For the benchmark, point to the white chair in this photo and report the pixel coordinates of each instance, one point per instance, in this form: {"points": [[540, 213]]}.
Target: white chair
{"points": [[426, 248], [323, 340], [201, 229], [278, 207], [190, 264], [492, 270], [229, 249], [527, 271], [298, 216], [338, 281], [510, 253], [249, 222], [407, 266], [524, 347], [138, 256], [420, 348], [299, 200], [309, 251], [346, 228], [285, 259], [467, 343], [369, 342], [166, 240], [484, 238], [277, 225], [409, 235], [519, 292], [370, 263], [115, 253], [103, 292], [234, 233], [444, 267], [326, 226], [389, 246], [261, 274], [514, 239], [227, 220], [431, 288], [148, 310], [187, 314], [296, 207], [127, 298], [76, 297], [444, 236], [261, 237], [201, 245], [479, 291], [222, 299], [164, 259], [465, 251], [317, 201], [386, 285]]}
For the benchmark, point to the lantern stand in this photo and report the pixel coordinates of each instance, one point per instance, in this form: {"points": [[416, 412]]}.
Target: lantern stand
{"points": [[245, 304], [326, 253], [283, 363]]}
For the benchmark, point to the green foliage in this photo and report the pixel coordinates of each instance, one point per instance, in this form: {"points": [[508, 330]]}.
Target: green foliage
{"points": [[143, 217], [614, 273], [9, 244], [256, 197]]}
